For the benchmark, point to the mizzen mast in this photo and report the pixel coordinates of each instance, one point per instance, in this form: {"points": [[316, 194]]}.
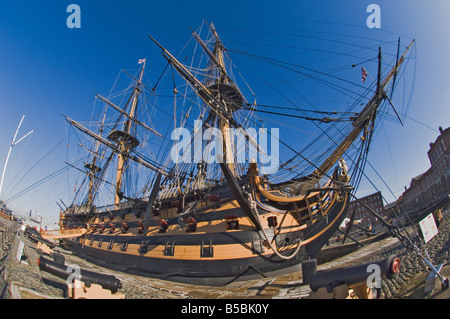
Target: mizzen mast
{"points": [[120, 141], [125, 141]]}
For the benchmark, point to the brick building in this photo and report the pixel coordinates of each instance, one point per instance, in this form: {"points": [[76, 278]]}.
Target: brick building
{"points": [[433, 185], [374, 201]]}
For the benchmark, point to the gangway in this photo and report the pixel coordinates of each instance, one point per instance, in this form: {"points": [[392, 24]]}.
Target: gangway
{"points": [[63, 233]]}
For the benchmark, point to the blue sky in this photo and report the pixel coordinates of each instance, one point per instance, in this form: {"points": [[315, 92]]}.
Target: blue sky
{"points": [[47, 69]]}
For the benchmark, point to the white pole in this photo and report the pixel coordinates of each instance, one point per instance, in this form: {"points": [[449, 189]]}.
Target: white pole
{"points": [[10, 148]]}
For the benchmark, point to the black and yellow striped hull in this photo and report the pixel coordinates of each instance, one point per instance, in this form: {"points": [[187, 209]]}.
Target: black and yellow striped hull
{"points": [[213, 254]]}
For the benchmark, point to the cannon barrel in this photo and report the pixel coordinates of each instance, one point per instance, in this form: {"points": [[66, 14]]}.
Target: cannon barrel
{"points": [[109, 282], [355, 275]]}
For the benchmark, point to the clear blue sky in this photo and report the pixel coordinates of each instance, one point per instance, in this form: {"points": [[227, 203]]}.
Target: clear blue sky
{"points": [[47, 69]]}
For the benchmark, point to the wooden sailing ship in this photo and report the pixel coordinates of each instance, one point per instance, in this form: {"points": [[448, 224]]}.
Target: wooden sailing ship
{"points": [[197, 228]]}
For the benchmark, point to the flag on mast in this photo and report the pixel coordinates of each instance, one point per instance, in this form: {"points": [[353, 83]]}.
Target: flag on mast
{"points": [[141, 61], [363, 74]]}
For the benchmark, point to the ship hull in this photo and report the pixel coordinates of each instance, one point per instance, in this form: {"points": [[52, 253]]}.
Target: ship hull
{"points": [[211, 272], [216, 258]]}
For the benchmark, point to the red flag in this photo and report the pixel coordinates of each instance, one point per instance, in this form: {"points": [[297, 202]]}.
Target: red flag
{"points": [[363, 74], [141, 61]]}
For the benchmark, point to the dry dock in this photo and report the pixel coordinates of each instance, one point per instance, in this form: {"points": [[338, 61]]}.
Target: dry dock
{"points": [[24, 280]]}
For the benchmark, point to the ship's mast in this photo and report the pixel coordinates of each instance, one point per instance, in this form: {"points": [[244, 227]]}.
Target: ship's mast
{"points": [[93, 169], [126, 143], [121, 142], [228, 156], [222, 95]]}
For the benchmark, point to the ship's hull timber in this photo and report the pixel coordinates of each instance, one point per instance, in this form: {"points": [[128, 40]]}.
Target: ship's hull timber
{"points": [[205, 271], [209, 256]]}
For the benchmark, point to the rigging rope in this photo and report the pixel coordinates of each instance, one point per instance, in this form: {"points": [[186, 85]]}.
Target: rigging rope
{"points": [[252, 205]]}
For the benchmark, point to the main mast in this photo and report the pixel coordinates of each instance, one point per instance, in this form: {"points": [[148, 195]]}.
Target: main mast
{"points": [[221, 95], [228, 156]]}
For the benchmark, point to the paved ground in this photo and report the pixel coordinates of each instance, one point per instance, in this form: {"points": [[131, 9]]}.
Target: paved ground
{"points": [[8, 231], [24, 280]]}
